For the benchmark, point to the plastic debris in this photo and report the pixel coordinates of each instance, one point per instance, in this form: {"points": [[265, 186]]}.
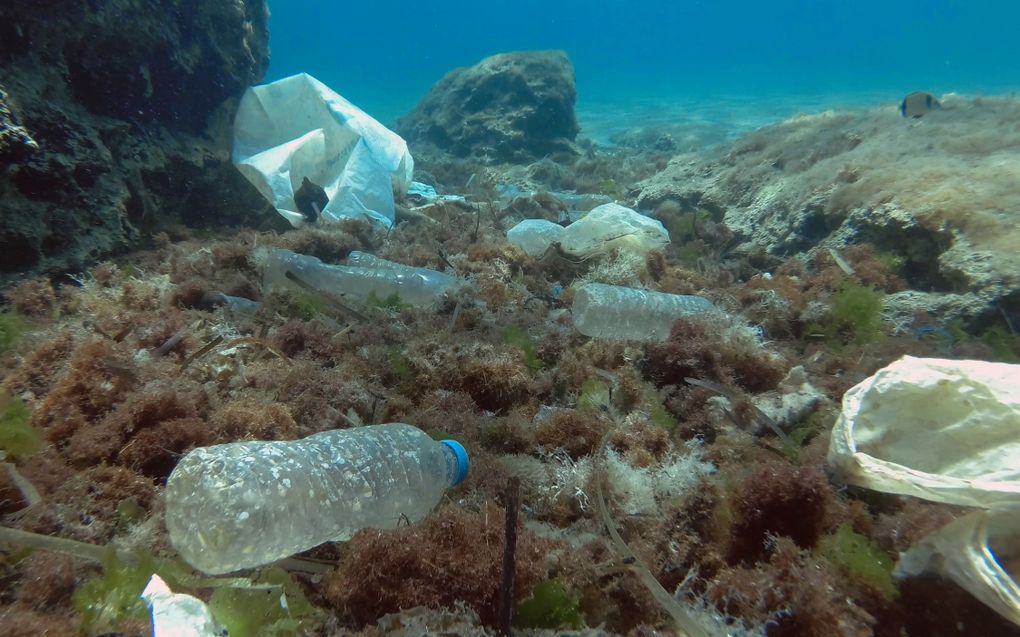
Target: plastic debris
{"points": [[178, 615], [535, 236], [298, 128], [366, 276], [979, 552], [572, 200], [942, 430], [947, 431], [621, 313], [245, 504], [421, 194], [613, 227]]}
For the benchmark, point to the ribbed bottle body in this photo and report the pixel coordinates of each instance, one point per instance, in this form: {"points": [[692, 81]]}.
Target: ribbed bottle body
{"points": [[245, 504], [621, 313]]}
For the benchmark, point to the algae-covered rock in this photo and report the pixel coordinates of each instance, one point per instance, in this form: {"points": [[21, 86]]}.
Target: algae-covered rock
{"points": [[15, 142], [939, 194], [511, 107], [115, 124]]}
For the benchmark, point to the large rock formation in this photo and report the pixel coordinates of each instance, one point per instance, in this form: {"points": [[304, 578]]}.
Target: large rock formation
{"points": [[939, 194], [115, 121], [511, 107]]}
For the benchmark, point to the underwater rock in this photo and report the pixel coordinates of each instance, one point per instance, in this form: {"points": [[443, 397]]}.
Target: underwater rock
{"points": [[130, 106], [938, 196], [511, 107], [15, 142]]}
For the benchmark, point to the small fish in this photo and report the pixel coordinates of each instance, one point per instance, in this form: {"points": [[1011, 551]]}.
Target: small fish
{"points": [[918, 104], [310, 199]]}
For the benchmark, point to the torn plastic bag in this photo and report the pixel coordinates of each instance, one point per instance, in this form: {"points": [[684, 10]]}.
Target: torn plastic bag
{"points": [[942, 430], [297, 127], [979, 552], [535, 236], [947, 431], [176, 614], [613, 227]]}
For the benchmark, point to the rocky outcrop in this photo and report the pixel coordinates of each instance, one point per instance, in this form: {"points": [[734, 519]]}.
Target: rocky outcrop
{"points": [[116, 123], [15, 142], [511, 107], [937, 194]]}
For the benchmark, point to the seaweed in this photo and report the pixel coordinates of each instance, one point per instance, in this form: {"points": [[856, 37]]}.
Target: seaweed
{"points": [[550, 606], [273, 606], [661, 417], [1004, 345], [861, 559], [112, 600], [595, 396], [519, 338], [682, 617], [12, 328], [391, 303], [399, 367], [18, 438], [855, 313]]}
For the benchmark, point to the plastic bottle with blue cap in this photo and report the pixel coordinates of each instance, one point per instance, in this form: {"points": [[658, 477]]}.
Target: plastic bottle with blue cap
{"points": [[246, 504]]}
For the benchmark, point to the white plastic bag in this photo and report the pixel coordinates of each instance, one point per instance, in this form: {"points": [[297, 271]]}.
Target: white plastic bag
{"points": [[534, 236], [176, 614], [297, 127], [612, 226], [947, 431], [942, 430]]}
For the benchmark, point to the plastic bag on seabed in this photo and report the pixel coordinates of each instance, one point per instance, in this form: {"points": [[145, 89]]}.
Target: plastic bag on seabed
{"points": [[947, 431], [298, 127], [942, 430], [980, 552]]}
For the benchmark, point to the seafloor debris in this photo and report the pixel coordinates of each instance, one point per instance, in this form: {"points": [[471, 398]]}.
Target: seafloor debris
{"points": [[716, 512]]}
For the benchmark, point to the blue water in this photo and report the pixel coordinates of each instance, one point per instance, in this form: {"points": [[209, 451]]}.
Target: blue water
{"points": [[384, 56]]}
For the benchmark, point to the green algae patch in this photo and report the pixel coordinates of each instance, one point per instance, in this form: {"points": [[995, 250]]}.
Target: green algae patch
{"points": [[594, 395], [12, 328], [519, 338], [661, 417], [271, 604], [855, 313], [861, 559], [18, 438], [391, 303], [274, 606], [550, 606], [113, 600]]}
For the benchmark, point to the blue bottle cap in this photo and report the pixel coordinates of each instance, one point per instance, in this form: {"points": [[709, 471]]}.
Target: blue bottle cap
{"points": [[460, 453]]}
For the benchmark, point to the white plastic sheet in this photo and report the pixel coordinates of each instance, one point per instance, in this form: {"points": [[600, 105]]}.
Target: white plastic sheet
{"points": [[613, 227], [947, 431], [298, 127], [176, 614], [534, 236], [942, 430]]}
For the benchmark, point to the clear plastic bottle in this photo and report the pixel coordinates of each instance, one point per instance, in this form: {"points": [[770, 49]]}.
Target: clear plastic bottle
{"points": [[365, 275], [615, 312], [245, 504]]}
